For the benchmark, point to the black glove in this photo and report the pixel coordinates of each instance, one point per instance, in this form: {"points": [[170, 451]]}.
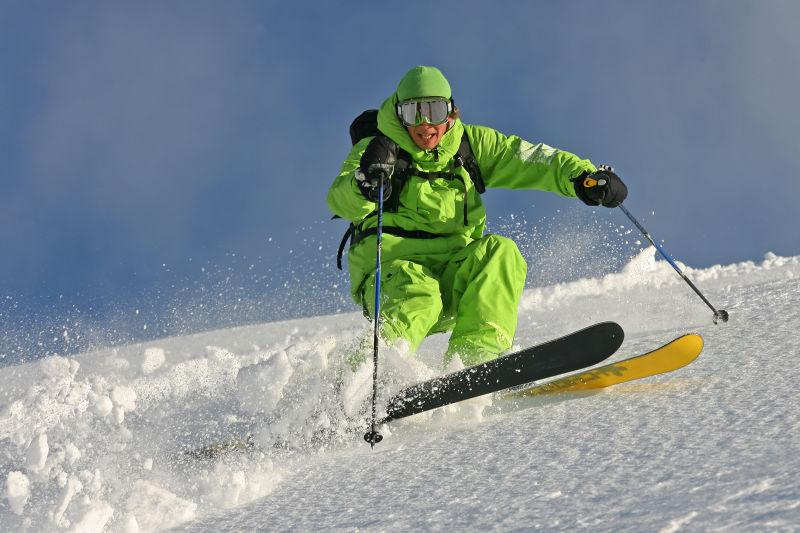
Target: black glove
{"points": [[600, 188], [377, 162]]}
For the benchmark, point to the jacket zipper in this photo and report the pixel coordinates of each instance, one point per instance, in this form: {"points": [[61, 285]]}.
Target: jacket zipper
{"points": [[466, 205]]}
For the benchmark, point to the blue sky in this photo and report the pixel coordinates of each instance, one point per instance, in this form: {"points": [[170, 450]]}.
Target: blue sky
{"points": [[165, 164]]}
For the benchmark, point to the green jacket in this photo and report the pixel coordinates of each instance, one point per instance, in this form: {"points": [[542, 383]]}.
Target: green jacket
{"points": [[438, 205]]}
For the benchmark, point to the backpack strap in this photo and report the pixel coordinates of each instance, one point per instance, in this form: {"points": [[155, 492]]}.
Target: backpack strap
{"points": [[465, 158], [402, 169], [361, 234], [355, 235], [347, 236]]}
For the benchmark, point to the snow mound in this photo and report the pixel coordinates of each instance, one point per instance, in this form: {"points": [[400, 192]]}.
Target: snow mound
{"points": [[97, 441]]}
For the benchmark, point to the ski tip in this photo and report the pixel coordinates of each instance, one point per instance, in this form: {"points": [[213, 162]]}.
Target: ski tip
{"points": [[693, 342], [613, 330], [618, 331], [684, 348]]}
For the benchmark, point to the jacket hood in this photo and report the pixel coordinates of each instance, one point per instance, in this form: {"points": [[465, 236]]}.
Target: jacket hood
{"points": [[390, 125]]}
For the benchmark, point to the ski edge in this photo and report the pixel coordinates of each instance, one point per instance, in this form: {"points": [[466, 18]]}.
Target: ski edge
{"points": [[619, 334], [588, 380]]}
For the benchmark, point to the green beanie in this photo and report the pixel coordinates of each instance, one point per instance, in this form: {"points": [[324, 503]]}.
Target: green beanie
{"points": [[420, 82]]}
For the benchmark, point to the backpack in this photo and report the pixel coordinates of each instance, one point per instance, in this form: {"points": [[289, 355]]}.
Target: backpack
{"points": [[366, 125]]}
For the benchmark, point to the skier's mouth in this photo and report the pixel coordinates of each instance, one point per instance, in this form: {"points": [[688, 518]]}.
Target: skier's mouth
{"points": [[427, 138]]}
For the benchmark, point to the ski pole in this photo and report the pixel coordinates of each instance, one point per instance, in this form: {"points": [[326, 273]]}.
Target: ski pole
{"points": [[372, 436], [720, 314]]}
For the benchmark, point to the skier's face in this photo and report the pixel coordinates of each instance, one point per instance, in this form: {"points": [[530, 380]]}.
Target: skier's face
{"points": [[427, 136]]}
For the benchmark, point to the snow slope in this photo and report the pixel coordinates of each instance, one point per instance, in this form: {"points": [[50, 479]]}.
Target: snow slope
{"points": [[96, 442]]}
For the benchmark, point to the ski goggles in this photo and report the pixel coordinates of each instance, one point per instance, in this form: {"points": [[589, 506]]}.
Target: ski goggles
{"points": [[431, 110]]}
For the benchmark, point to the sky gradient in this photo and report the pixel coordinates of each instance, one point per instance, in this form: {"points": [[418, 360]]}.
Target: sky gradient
{"points": [[165, 164]]}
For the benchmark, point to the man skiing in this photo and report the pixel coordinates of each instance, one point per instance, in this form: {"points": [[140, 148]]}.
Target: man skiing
{"points": [[439, 271]]}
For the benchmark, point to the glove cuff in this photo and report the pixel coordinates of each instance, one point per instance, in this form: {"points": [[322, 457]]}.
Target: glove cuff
{"points": [[580, 189]]}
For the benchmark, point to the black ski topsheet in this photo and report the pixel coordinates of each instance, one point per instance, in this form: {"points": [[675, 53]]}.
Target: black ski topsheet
{"points": [[572, 352]]}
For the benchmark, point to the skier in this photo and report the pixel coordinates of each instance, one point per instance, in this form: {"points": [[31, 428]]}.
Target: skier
{"points": [[439, 271]]}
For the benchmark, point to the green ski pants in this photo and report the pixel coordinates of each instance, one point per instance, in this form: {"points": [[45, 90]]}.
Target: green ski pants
{"points": [[474, 293]]}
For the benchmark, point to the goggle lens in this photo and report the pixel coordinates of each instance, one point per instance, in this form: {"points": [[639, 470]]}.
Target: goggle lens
{"points": [[414, 113]]}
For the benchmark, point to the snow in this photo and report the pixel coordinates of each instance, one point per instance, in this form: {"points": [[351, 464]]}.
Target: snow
{"points": [[36, 454], [155, 508], [260, 386], [93, 519], [18, 490], [102, 406], [72, 487], [97, 442], [152, 359]]}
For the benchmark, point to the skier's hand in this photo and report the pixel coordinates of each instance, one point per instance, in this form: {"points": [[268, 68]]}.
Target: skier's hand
{"points": [[600, 188], [369, 187], [377, 162]]}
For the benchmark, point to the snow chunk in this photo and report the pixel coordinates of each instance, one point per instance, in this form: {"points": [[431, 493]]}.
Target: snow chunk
{"points": [[124, 397], [154, 508], [229, 485], [18, 490], [36, 454], [57, 367], [130, 524], [356, 389], [118, 415], [72, 453], [260, 386], [94, 520], [102, 406], [72, 487], [152, 360]]}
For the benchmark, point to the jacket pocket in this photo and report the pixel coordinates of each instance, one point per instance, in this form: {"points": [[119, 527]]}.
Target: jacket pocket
{"points": [[436, 203]]}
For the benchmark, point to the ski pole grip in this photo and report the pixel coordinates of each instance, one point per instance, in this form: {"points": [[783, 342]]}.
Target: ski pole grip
{"points": [[592, 182]]}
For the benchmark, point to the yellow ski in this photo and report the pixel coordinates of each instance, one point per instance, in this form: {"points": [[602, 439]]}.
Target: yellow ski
{"points": [[669, 357]]}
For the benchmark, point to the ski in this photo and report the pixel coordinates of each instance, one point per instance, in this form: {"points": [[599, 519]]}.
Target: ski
{"points": [[572, 352], [672, 356]]}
